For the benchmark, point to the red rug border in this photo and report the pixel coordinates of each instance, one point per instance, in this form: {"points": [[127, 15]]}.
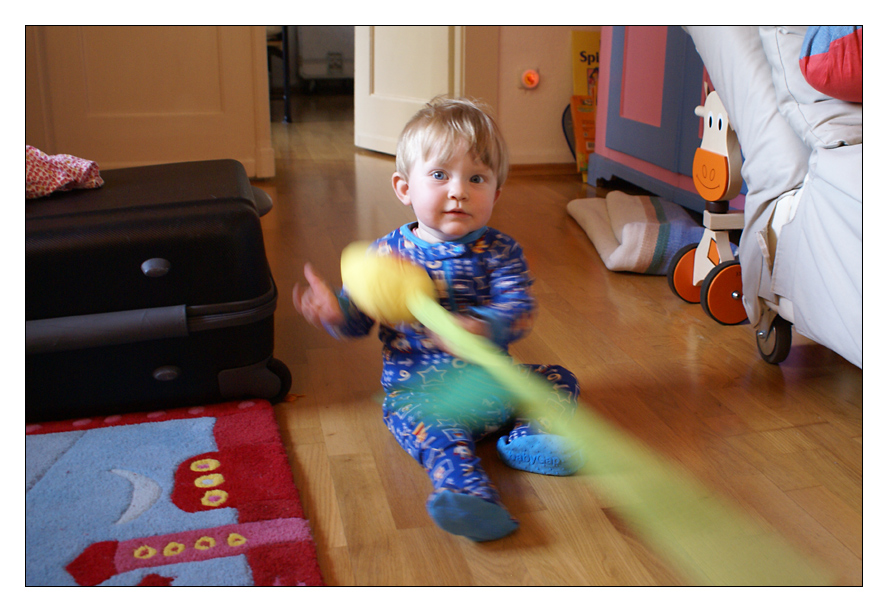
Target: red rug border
{"points": [[134, 418]]}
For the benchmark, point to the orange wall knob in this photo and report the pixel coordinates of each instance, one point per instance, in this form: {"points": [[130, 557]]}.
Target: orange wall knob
{"points": [[530, 79]]}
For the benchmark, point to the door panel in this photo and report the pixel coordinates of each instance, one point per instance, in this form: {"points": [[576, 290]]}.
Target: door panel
{"points": [[139, 95], [397, 70]]}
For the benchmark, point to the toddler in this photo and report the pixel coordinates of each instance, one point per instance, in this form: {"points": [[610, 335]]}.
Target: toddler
{"points": [[451, 165]]}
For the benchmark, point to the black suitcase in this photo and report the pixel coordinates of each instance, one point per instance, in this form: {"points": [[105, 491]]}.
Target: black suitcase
{"points": [[150, 292]]}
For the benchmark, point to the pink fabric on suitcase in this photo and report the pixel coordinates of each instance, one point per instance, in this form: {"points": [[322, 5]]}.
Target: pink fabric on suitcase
{"points": [[45, 174]]}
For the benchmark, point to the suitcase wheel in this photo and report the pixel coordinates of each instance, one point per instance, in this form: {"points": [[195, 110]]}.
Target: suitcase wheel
{"points": [[280, 369]]}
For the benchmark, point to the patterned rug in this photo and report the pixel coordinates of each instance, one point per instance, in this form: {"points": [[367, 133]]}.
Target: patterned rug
{"points": [[194, 496]]}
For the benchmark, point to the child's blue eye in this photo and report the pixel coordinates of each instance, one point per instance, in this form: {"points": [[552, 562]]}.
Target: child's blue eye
{"points": [[437, 174], [477, 179]]}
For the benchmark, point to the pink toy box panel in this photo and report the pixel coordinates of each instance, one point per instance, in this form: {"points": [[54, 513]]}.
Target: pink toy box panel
{"points": [[642, 58]]}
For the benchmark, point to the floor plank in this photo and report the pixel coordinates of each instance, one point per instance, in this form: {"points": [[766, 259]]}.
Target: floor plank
{"points": [[783, 443]]}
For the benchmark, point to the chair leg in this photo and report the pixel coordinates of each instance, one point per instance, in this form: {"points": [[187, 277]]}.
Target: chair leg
{"points": [[285, 47]]}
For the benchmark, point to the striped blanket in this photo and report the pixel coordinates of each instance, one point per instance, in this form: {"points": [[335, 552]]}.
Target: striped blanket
{"points": [[635, 233]]}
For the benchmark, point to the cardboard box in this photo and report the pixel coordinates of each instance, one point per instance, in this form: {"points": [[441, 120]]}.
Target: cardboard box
{"points": [[585, 48]]}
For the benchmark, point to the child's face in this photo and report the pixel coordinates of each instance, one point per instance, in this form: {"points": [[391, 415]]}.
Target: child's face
{"points": [[449, 198]]}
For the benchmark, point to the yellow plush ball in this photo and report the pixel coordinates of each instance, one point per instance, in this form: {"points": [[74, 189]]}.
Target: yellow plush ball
{"points": [[382, 285]]}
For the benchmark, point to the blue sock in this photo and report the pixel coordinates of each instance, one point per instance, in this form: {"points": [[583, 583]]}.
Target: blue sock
{"points": [[468, 515], [540, 453]]}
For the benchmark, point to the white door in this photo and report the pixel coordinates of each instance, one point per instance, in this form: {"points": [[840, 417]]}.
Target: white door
{"points": [[140, 95], [400, 68]]}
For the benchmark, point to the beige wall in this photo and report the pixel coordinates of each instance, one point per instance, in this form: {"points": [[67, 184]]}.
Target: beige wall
{"points": [[531, 119]]}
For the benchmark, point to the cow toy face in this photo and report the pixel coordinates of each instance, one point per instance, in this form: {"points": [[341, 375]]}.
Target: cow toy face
{"points": [[716, 170]]}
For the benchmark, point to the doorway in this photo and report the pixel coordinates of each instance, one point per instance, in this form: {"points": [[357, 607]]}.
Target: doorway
{"points": [[320, 62], [394, 70]]}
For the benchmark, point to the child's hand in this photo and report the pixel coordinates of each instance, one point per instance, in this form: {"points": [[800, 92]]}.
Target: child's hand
{"points": [[470, 324], [317, 303]]}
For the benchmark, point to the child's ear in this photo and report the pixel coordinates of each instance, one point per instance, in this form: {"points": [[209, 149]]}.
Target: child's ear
{"points": [[401, 187], [497, 195]]}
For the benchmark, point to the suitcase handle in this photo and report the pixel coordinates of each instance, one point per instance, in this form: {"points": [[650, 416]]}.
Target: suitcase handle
{"points": [[262, 201], [105, 329], [130, 326]]}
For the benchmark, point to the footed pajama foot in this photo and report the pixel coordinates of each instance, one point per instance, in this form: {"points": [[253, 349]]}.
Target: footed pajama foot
{"points": [[468, 515], [541, 454]]}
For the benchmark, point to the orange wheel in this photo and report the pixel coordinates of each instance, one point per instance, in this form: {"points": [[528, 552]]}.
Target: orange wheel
{"points": [[722, 294], [681, 275]]}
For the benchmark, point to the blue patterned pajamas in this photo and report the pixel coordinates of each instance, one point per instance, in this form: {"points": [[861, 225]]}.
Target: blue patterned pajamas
{"points": [[444, 442], [437, 406]]}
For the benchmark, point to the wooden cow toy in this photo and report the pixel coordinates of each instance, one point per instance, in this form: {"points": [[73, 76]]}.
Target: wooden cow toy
{"points": [[708, 272]]}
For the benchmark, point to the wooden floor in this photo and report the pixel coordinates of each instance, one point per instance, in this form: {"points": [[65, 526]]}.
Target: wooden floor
{"points": [[784, 443]]}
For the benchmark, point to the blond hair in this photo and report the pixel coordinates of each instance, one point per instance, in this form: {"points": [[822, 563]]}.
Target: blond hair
{"points": [[442, 126]]}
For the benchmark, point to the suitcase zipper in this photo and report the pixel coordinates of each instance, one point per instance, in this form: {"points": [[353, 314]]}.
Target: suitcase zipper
{"points": [[218, 316]]}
